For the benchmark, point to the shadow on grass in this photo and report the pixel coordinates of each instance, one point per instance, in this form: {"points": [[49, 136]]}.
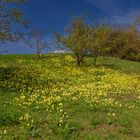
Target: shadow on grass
{"points": [[7, 72]]}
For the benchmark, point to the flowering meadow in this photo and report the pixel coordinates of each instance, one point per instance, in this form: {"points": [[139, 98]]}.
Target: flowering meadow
{"points": [[54, 99]]}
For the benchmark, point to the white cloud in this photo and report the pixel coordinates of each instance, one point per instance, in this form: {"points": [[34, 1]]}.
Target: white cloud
{"points": [[59, 51], [117, 11], [109, 7], [124, 19]]}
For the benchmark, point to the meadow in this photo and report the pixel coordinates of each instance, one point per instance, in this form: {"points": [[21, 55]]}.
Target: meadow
{"points": [[54, 99]]}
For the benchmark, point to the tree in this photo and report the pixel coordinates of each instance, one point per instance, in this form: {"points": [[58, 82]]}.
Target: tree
{"points": [[9, 18], [131, 48], [76, 40], [99, 40], [35, 40]]}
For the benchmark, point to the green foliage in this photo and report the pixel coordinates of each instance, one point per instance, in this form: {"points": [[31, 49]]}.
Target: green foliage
{"points": [[123, 43], [100, 40], [84, 39], [78, 39]]}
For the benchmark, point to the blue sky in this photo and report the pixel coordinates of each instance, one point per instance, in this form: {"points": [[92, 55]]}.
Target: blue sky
{"points": [[56, 15]]}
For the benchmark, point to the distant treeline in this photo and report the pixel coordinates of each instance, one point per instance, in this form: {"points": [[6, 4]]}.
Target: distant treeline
{"points": [[124, 43]]}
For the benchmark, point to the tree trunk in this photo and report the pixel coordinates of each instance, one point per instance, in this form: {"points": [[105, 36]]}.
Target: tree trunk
{"points": [[78, 61], [95, 60], [38, 52]]}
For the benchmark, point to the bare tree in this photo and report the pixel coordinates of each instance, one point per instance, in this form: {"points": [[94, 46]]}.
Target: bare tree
{"points": [[35, 39]]}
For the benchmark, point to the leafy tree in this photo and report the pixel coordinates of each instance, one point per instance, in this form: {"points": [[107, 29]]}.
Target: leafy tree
{"points": [[98, 38], [131, 49], [101, 40], [123, 42], [76, 39]]}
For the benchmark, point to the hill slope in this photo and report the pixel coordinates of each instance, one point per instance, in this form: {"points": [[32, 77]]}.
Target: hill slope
{"points": [[52, 98]]}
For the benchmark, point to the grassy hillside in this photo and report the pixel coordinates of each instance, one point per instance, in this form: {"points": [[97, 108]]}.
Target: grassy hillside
{"points": [[54, 99]]}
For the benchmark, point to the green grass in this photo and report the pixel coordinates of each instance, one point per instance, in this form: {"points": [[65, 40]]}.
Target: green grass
{"points": [[114, 63], [54, 99]]}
